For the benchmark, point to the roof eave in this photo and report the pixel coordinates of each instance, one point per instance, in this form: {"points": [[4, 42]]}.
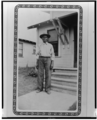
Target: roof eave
{"points": [[27, 41], [37, 25]]}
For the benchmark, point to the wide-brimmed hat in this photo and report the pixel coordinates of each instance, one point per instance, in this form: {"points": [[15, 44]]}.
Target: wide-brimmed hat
{"points": [[44, 35]]}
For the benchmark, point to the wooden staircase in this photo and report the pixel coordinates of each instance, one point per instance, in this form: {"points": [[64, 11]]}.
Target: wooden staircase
{"points": [[64, 80]]}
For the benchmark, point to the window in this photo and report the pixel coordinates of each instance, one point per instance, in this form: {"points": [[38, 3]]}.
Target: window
{"points": [[53, 40], [34, 50], [20, 49]]}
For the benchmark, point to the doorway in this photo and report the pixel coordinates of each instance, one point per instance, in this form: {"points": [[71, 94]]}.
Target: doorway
{"points": [[75, 46], [53, 40]]}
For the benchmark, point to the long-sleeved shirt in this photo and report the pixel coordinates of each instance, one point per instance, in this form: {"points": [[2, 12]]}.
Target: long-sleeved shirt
{"points": [[46, 50]]}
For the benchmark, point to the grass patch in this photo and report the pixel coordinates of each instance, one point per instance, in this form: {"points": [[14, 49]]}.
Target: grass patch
{"points": [[26, 83]]}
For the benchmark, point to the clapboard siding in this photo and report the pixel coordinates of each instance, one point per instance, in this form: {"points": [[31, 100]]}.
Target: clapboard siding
{"points": [[28, 59]]}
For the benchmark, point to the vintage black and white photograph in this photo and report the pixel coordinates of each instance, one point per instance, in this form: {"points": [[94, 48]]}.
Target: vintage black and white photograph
{"points": [[48, 59]]}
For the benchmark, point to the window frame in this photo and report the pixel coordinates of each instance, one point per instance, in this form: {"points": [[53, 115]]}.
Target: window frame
{"points": [[19, 54]]}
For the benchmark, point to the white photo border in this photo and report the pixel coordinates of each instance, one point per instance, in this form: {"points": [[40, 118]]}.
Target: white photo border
{"points": [[15, 67]]}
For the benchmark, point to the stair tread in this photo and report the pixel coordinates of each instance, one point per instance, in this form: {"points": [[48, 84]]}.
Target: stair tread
{"points": [[55, 73], [62, 79], [72, 69], [64, 87], [64, 91]]}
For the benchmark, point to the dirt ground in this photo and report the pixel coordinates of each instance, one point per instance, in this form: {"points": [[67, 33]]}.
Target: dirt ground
{"points": [[26, 83]]}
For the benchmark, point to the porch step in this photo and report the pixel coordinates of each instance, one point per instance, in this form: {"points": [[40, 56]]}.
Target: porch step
{"points": [[64, 83], [65, 70], [64, 91], [64, 75], [71, 74], [68, 69], [69, 88], [64, 80]]}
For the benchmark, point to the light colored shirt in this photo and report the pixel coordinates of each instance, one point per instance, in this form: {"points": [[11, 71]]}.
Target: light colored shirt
{"points": [[46, 50]]}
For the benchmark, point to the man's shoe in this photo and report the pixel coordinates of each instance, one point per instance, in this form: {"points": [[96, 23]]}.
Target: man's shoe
{"points": [[39, 91], [48, 91]]}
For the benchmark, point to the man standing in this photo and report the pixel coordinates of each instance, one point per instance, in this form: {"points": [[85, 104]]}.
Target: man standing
{"points": [[45, 62]]}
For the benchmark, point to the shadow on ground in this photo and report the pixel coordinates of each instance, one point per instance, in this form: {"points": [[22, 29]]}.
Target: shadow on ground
{"points": [[73, 106]]}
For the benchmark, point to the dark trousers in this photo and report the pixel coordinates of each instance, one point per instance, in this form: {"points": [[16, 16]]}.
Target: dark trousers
{"points": [[44, 68]]}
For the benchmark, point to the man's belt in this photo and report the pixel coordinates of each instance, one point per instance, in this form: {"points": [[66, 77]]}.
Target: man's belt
{"points": [[44, 57]]}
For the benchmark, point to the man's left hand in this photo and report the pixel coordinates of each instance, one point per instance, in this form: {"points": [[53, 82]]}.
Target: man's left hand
{"points": [[52, 65]]}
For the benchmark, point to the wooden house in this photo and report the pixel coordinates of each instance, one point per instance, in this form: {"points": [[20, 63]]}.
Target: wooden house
{"points": [[63, 30]]}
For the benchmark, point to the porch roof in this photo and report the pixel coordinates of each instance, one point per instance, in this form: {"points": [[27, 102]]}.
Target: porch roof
{"points": [[47, 22], [27, 41], [38, 24]]}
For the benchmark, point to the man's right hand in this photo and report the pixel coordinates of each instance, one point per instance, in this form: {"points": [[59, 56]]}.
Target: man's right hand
{"points": [[37, 64]]}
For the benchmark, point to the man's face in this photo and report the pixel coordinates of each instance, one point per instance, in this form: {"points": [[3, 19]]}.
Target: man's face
{"points": [[45, 39]]}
